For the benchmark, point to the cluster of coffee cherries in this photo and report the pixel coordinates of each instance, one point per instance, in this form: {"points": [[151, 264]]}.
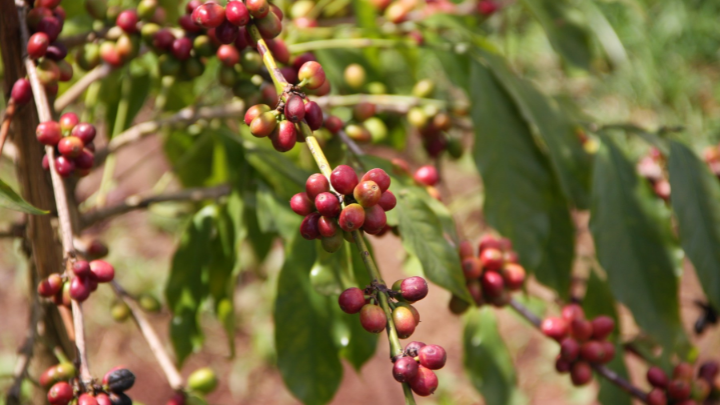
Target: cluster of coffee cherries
{"points": [[46, 21], [65, 388], [416, 364], [583, 342], [432, 124], [650, 167], [683, 389], [85, 279], [491, 275], [73, 142], [366, 201]]}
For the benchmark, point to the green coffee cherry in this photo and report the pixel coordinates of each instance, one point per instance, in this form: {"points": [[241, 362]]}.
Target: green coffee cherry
{"points": [[203, 380], [424, 88], [120, 312], [149, 303]]}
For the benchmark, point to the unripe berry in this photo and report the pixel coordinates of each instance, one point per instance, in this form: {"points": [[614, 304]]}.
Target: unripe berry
{"points": [[352, 300], [81, 268], [21, 91], [87, 399], [327, 227], [457, 305], [602, 327], [80, 288], [656, 397], [683, 371], [127, 20], [70, 147], [254, 111], [344, 179], [203, 380], [68, 121], [580, 373], [404, 321], [581, 329], [120, 312], [103, 271], [209, 15], [657, 377], [316, 184], [327, 204], [358, 133], [367, 193], [514, 276], [48, 133], [363, 111], [269, 26], [333, 243], [425, 382], [413, 288], [555, 328], [60, 394], [678, 390], [572, 311], [492, 284], [309, 226], [301, 204], [442, 122], [569, 349], [387, 200], [405, 369], [471, 267], [64, 166], [313, 74], [86, 132], [413, 348], [294, 108], [352, 217], [396, 12], [284, 137], [263, 125], [372, 318], [562, 366], [50, 286], [313, 115], [592, 351], [426, 175], [333, 124], [423, 88], [354, 75], [432, 357], [37, 45]]}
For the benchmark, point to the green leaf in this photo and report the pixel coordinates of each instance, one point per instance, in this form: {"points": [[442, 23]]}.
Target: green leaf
{"points": [[631, 246], [695, 201], [284, 176], [275, 215], [223, 268], [191, 156], [187, 287], [522, 197], [487, 360], [306, 353], [422, 236], [604, 32], [11, 200], [553, 129], [133, 88]]}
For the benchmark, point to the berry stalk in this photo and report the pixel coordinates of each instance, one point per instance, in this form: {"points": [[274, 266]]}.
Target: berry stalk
{"points": [[349, 43]]}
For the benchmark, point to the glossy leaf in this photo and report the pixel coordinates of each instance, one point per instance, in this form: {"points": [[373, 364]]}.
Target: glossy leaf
{"points": [[275, 215], [222, 269], [306, 353], [11, 200], [631, 246], [522, 198], [487, 360], [422, 236], [695, 199]]}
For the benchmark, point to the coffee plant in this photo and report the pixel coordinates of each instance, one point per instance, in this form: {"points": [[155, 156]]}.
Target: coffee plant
{"points": [[370, 110]]}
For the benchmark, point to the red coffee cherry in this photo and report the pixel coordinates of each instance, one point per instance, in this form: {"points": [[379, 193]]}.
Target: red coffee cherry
{"points": [[87, 399], [181, 48], [425, 382], [70, 146], [309, 226], [569, 349], [487, 7], [387, 200], [37, 45], [237, 14], [413, 288], [492, 284], [52, 26], [254, 111], [609, 350], [208, 15], [333, 124], [432, 357], [580, 373], [264, 124], [327, 204], [50, 286], [708, 371], [163, 39], [683, 371], [284, 137], [80, 288], [581, 329], [471, 267], [21, 91], [352, 217], [316, 184], [555, 328], [379, 177], [592, 351], [602, 327], [68, 121], [301, 204], [352, 300], [177, 399], [327, 227], [226, 33], [186, 23], [562, 366], [363, 111], [413, 348], [489, 241], [313, 74], [344, 179], [81, 268], [313, 115], [404, 321], [476, 292], [513, 275], [372, 318], [48, 133], [56, 51], [367, 193], [86, 132], [294, 108], [656, 397], [412, 309], [192, 5], [258, 8], [678, 390], [333, 243], [102, 271], [269, 26], [64, 166], [657, 377], [60, 394], [127, 20], [465, 249], [301, 59], [426, 175], [85, 160], [405, 369], [572, 311], [492, 259]]}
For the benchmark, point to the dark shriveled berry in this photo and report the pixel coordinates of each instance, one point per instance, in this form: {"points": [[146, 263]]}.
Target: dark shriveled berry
{"points": [[316, 184], [432, 357], [352, 217], [580, 373], [405, 369], [425, 382], [327, 204], [120, 380], [119, 398], [413, 348], [344, 179], [352, 300], [372, 318], [309, 226], [294, 108], [301, 204]]}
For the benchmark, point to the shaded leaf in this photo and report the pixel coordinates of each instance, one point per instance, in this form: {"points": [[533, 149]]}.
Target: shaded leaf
{"points": [[275, 215], [223, 268], [11, 200]]}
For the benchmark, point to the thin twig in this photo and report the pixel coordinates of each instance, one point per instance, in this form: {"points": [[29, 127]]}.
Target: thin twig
{"points": [[185, 116], [83, 38], [24, 354], [77, 89], [136, 202], [384, 102], [6, 120], [350, 43], [610, 375], [354, 147], [156, 346]]}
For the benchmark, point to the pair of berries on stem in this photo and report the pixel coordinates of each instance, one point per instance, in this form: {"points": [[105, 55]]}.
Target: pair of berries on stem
{"points": [[683, 389], [85, 279], [73, 142]]}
